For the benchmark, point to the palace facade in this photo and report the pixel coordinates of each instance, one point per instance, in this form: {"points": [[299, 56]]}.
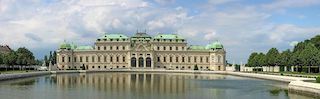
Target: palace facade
{"points": [[118, 51]]}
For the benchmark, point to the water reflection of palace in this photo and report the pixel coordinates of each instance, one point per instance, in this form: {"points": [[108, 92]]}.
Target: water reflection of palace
{"points": [[125, 82]]}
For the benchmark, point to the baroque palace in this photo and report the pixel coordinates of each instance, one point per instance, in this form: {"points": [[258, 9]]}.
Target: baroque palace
{"points": [[118, 51]]}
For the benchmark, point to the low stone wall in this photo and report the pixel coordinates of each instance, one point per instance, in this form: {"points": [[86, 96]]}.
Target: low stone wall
{"points": [[65, 71], [22, 75], [270, 77], [308, 88]]}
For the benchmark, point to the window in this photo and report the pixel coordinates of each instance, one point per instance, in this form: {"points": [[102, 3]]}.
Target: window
{"points": [[201, 59], [98, 47], [62, 59], [110, 47], [92, 66], [87, 58], [80, 58], [189, 59], [170, 60], [92, 58], [111, 59], [164, 48], [182, 48], [117, 59], [164, 59], [105, 59], [158, 59], [170, 48], [123, 48], [177, 48], [105, 66], [69, 59], [123, 59], [105, 48], [98, 58], [177, 59], [207, 59], [158, 48], [98, 66], [75, 59], [182, 59], [195, 59], [117, 48]]}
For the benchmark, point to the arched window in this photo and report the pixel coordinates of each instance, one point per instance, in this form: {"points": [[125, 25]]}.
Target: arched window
{"points": [[148, 62], [219, 59], [141, 62], [133, 62]]}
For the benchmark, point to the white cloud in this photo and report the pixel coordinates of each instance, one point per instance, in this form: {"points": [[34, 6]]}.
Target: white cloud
{"points": [[242, 29], [164, 2], [282, 4], [210, 35], [284, 32]]}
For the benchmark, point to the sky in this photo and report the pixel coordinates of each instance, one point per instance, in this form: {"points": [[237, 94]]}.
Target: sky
{"points": [[242, 26]]}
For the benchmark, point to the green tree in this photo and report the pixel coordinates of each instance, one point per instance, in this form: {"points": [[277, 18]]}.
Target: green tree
{"points": [[309, 56], [252, 61], [296, 60], [284, 58], [54, 57], [50, 58], [272, 57], [1, 58], [24, 57], [46, 60], [261, 58], [10, 59], [316, 41]]}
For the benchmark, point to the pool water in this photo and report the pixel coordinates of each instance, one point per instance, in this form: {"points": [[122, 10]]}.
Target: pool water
{"points": [[124, 85]]}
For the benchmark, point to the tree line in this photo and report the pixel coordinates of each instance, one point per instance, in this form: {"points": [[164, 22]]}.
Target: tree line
{"points": [[305, 54], [21, 57]]}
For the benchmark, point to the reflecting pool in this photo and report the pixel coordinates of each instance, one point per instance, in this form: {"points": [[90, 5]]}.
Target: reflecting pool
{"points": [[144, 86]]}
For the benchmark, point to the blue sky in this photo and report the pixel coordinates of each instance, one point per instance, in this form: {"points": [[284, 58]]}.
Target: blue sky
{"points": [[243, 26]]}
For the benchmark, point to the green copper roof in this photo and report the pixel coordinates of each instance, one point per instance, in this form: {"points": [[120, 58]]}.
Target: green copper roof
{"points": [[113, 36], [168, 36], [84, 48], [141, 35], [197, 47], [215, 45], [65, 45]]}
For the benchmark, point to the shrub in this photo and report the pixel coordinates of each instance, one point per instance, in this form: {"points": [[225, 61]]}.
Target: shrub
{"points": [[318, 79]]}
